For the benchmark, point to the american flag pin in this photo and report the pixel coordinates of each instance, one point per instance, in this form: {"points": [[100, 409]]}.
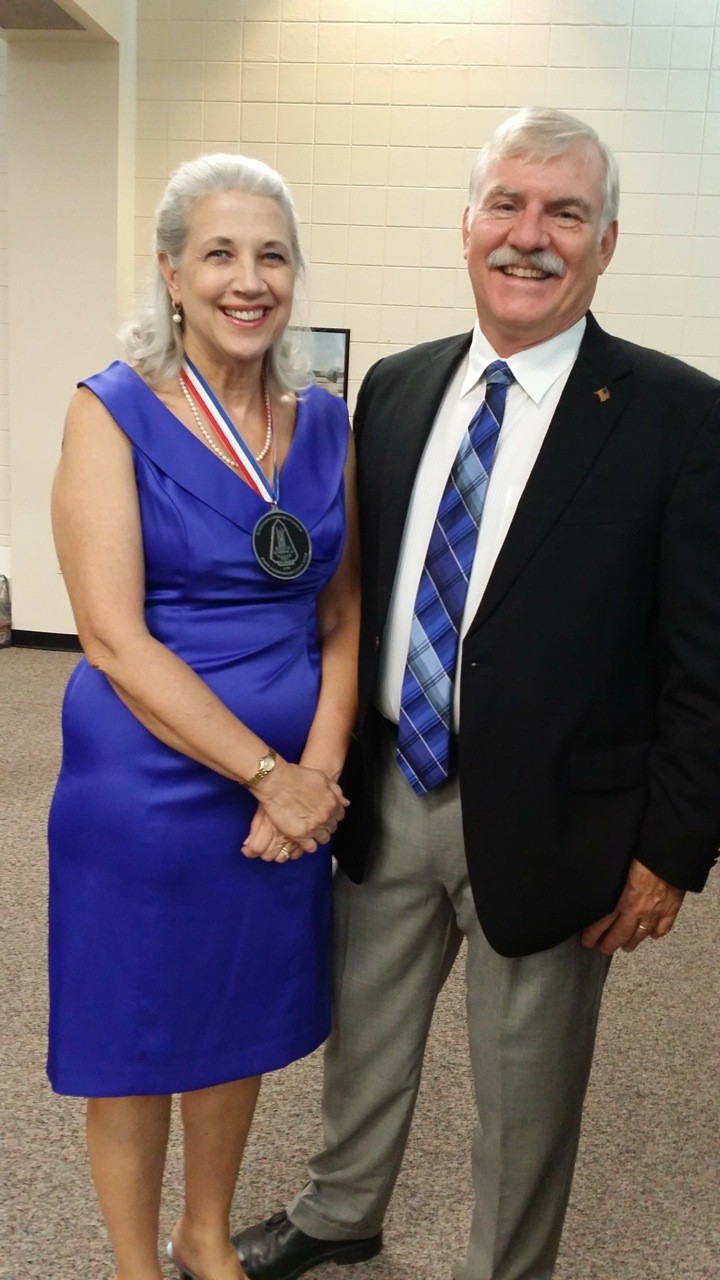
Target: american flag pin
{"points": [[602, 394]]}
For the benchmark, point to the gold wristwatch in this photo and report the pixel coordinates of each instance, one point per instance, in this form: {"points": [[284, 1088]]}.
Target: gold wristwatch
{"points": [[266, 766]]}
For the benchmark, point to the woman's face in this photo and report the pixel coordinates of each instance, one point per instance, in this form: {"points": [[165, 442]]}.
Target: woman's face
{"points": [[235, 279]]}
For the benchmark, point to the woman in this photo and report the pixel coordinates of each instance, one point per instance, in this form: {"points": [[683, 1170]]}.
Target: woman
{"points": [[200, 511]]}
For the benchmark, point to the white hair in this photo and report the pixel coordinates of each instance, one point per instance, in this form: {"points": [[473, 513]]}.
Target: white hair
{"points": [[540, 133], [150, 338]]}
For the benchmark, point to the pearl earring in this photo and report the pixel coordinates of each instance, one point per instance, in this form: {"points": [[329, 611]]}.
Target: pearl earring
{"points": [[177, 312]]}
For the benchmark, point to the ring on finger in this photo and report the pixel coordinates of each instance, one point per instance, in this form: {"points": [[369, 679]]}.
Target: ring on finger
{"points": [[284, 852], [643, 928]]}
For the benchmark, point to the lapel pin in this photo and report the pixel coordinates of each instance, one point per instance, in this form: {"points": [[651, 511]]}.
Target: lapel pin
{"points": [[602, 394]]}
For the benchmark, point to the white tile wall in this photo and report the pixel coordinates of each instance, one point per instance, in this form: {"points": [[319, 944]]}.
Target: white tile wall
{"points": [[4, 432], [373, 111]]}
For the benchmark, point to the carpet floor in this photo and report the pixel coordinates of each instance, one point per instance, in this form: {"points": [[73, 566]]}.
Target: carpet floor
{"points": [[646, 1197]]}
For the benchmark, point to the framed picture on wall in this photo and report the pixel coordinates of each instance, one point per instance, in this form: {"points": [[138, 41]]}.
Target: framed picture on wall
{"points": [[329, 351]]}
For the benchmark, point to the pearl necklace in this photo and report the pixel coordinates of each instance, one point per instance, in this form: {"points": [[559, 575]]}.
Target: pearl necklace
{"points": [[221, 452]]}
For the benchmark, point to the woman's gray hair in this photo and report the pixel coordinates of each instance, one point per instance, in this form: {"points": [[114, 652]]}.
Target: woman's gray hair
{"points": [[539, 133], [150, 338]]}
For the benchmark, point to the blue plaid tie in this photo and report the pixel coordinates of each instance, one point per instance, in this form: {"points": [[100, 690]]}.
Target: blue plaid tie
{"points": [[427, 692]]}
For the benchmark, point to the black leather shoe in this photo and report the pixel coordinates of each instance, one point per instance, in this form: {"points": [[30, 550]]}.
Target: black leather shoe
{"points": [[277, 1250]]}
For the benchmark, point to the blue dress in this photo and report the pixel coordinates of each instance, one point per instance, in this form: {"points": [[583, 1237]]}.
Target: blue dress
{"points": [[175, 961]]}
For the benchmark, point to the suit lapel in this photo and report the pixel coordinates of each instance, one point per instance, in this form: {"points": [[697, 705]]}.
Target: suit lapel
{"points": [[595, 396], [417, 400]]}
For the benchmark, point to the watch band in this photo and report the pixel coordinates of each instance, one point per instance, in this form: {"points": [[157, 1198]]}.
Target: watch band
{"points": [[266, 766]]}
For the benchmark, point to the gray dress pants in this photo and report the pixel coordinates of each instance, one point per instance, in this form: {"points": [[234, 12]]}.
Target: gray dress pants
{"points": [[531, 1026]]}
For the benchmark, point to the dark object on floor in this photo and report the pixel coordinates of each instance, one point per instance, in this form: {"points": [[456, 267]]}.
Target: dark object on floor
{"points": [[5, 615]]}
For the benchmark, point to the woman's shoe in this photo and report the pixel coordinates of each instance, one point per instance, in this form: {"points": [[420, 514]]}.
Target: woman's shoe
{"points": [[184, 1273]]}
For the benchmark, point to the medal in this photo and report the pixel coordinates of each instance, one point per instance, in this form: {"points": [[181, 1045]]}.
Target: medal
{"points": [[281, 543]]}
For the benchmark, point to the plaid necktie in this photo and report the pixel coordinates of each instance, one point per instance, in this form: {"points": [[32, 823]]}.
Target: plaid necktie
{"points": [[427, 692]]}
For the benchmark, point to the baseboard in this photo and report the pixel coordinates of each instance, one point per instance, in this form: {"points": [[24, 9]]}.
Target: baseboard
{"points": [[46, 640]]}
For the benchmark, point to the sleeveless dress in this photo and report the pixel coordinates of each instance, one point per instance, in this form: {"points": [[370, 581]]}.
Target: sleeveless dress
{"points": [[176, 962]]}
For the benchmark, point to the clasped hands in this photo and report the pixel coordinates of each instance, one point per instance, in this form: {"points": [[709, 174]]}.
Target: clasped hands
{"points": [[298, 809]]}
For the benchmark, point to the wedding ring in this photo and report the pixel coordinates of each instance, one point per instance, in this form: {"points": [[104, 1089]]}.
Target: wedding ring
{"points": [[642, 927], [284, 852]]}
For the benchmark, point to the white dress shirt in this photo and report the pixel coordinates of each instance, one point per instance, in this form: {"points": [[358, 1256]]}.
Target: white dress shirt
{"points": [[540, 375]]}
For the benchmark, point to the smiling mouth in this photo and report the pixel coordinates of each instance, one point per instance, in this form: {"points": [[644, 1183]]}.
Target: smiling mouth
{"points": [[526, 273], [246, 315]]}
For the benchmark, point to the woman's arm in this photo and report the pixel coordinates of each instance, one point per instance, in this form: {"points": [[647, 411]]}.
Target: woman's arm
{"points": [[338, 614], [96, 521]]}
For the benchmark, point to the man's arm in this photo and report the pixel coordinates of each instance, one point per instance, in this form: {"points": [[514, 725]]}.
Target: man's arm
{"points": [[681, 830]]}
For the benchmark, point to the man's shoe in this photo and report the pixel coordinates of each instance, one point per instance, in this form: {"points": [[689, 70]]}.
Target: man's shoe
{"points": [[277, 1250]]}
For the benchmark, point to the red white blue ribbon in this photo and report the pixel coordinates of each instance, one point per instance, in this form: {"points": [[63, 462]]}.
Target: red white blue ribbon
{"points": [[226, 430]]}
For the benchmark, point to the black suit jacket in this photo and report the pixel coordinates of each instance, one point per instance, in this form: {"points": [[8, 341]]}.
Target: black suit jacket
{"points": [[590, 697]]}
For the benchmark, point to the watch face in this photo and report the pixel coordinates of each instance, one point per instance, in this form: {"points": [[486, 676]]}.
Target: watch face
{"points": [[267, 763]]}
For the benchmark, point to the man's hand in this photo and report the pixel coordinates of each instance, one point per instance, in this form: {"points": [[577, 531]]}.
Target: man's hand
{"points": [[647, 908]]}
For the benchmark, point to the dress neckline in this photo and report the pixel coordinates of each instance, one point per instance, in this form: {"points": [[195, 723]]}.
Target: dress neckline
{"points": [[237, 475], [309, 477]]}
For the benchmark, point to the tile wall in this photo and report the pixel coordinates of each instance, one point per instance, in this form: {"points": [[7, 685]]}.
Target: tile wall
{"points": [[4, 431], [373, 110]]}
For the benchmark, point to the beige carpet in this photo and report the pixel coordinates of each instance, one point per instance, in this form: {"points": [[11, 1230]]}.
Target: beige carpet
{"points": [[645, 1203]]}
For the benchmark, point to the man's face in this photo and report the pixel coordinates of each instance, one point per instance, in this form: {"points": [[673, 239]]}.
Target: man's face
{"points": [[528, 208]]}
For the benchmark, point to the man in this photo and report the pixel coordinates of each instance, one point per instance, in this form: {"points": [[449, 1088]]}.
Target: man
{"points": [[551, 791]]}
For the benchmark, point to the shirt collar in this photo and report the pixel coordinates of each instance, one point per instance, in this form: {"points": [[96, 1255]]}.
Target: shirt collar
{"points": [[535, 369]]}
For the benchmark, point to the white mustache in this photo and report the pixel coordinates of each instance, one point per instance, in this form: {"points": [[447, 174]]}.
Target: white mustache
{"points": [[538, 260]]}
